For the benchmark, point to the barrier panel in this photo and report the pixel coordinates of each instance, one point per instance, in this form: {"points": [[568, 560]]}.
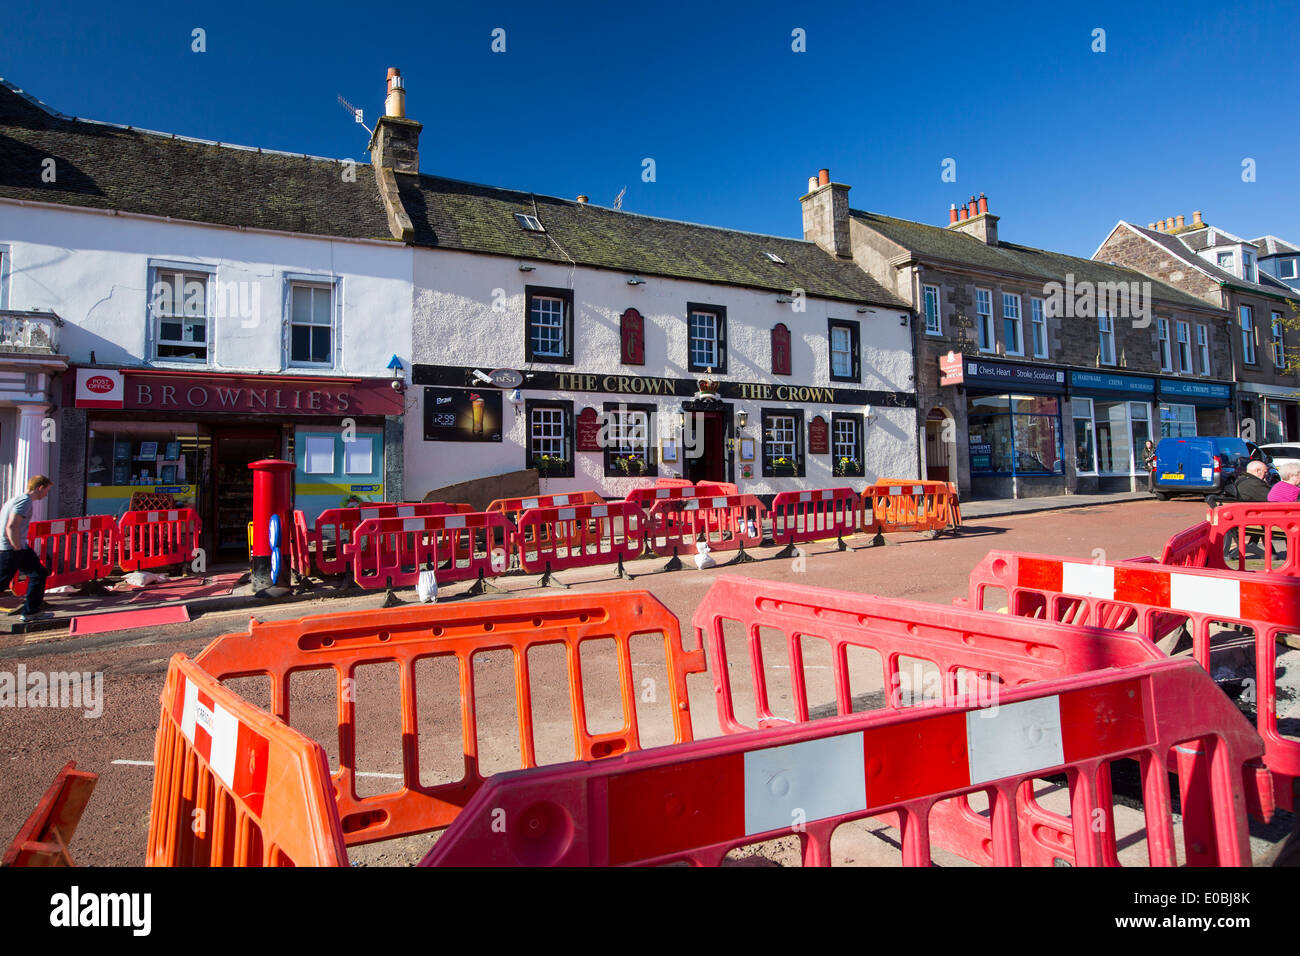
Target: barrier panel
{"points": [[552, 539], [799, 516], [155, 539], [1270, 526], [301, 542], [727, 522], [73, 550], [645, 497], [716, 488], [925, 651], [233, 786], [1159, 602], [1190, 548], [512, 508], [674, 483], [44, 838], [335, 527], [412, 642], [391, 552], [697, 801], [904, 505]]}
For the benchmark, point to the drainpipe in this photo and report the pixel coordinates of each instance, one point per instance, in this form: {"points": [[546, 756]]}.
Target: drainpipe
{"points": [[919, 429]]}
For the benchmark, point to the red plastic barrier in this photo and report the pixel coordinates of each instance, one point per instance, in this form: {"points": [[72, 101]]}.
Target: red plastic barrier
{"points": [[799, 516], [1157, 600], [697, 801], [552, 539], [716, 488], [459, 547], [674, 483], [73, 550], [727, 522], [301, 545], [1236, 526], [1190, 548], [335, 528], [155, 539], [644, 497], [512, 508], [44, 838]]}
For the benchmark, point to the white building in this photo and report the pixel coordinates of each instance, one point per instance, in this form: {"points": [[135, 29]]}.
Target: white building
{"points": [[215, 305]]}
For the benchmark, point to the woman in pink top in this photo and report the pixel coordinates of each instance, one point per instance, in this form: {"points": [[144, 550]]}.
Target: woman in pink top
{"points": [[1288, 489]]}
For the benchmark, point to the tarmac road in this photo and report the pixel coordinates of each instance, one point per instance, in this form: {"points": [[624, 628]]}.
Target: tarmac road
{"points": [[119, 743]]}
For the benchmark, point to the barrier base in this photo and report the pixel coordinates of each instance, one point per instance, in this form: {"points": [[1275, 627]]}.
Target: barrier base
{"points": [[93, 587], [390, 598], [787, 552], [483, 586], [742, 557], [674, 563], [546, 581], [879, 540], [622, 572], [841, 544]]}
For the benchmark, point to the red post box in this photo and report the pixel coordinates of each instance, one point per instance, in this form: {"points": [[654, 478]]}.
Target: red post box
{"points": [[272, 523]]}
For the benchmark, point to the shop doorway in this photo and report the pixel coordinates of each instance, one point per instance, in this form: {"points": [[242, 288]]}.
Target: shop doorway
{"points": [[232, 486], [704, 435], [940, 445]]}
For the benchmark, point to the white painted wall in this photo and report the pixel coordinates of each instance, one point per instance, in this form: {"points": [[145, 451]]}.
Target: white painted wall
{"points": [[93, 270], [454, 323]]}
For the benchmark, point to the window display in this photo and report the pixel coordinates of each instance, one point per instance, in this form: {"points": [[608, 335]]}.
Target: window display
{"points": [[1015, 435]]}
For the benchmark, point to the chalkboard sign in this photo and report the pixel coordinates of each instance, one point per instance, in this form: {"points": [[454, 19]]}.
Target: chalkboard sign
{"points": [[819, 437]]}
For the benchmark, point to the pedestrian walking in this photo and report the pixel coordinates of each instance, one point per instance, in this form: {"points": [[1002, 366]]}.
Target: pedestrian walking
{"points": [[15, 556], [1149, 463]]}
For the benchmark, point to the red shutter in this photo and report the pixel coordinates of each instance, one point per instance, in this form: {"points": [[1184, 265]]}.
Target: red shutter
{"points": [[780, 350], [632, 332]]}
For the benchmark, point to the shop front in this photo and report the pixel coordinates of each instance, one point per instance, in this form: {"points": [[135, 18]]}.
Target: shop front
{"points": [[1013, 428], [157, 439], [1272, 410]]}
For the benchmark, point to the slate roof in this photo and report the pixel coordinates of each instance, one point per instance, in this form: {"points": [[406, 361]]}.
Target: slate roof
{"points": [[449, 214], [102, 166], [1273, 246], [1035, 265], [1175, 247]]}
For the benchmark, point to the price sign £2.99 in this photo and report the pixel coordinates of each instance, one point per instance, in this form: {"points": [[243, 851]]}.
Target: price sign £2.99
{"points": [[462, 414]]}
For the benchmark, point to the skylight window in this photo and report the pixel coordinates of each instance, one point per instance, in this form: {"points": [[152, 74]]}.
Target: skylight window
{"points": [[775, 258], [531, 223]]}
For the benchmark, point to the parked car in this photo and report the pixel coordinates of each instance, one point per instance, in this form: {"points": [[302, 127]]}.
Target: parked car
{"points": [[1282, 454], [1201, 465]]}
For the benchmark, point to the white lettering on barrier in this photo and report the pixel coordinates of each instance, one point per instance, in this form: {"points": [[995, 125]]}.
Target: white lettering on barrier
{"points": [[600, 511], [454, 521], [1088, 580], [1204, 595], [824, 778], [1014, 739], [568, 514]]}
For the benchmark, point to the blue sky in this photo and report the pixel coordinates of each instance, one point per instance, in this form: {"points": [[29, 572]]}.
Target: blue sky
{"points": [[1064, 140]]}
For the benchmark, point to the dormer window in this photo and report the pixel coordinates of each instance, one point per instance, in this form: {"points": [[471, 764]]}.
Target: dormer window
{"points": [[1227, 262], [531, 223], [1247, 266]]}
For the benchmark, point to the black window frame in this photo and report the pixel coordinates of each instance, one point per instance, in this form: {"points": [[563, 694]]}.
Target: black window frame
{"points": [[563, 405], [800, 443], [721, 312], [532, 292], [855, 338], [859, 427], [651, 449]]}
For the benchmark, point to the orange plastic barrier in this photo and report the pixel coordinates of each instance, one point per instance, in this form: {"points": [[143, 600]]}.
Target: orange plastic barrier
{"points": [[799, 516], [44, 838], [73, 550], [155, 539], [727, 522], [906, 505], [697, 801], [391, 552], [552, 539], [1157, 601], [234, 786], [415, 638]]}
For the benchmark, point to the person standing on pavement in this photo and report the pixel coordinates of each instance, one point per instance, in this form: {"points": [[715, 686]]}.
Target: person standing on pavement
{"points": [[16, 556], [1288, 489], [1149, 463]]}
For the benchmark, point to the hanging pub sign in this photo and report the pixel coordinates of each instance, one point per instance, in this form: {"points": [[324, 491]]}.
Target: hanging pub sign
{"points": [[819, 437], [462, 414], [588, 428], [631, 329]]}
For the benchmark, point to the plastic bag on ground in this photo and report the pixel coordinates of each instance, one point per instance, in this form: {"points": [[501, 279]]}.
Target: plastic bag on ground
{"points": [[426, 587], [138, 579]]}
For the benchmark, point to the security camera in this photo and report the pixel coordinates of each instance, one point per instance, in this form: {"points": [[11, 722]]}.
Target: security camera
{"points": [[398, 385], [480, 376]]}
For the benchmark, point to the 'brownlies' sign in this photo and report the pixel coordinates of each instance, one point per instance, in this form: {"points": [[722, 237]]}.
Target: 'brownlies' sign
{"points": [[257, 395]]}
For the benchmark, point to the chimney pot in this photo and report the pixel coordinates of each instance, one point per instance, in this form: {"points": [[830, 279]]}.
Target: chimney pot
{"points": [[1180, 222], [582, 199], [1196, 218], [812, 183], [1169, 224], [984, 204], [1160, 225], [965, 212], [823, 177], [395, 103], [952, 214]]}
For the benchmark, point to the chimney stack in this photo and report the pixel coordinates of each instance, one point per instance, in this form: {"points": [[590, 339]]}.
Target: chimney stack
{"points": [[826, 215], [395, 149], [973, 218], [582, 199], [1180, 222], [1196, 218], [1169, 224]]}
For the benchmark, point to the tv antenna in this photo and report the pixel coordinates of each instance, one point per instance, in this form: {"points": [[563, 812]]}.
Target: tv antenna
{"points": [[618, 200], [356, 114]]}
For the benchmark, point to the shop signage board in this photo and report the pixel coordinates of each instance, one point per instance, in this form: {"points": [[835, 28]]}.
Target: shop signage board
{"points": [[462, 414], [951, 368], [99, 388], [1206, 392], [819, 437], [588, 429], [1008, 375], [1110, 382], [273, 395]]}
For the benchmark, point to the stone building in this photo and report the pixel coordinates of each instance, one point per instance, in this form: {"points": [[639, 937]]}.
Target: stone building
{"points": [[1055, 369], [1223, 270]]}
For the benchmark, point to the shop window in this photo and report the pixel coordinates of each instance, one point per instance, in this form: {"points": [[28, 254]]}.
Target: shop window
{"points": [[846, 445], [550, 438], [1084, 460], [1106, 335], [783, 454], [1039, 322], [984, 319], [1015, 435], [1203, 348], [124, 458], [1246, 317], [1139, 415], [1177, 421], [358, 455], [628, 440], [1011, 326], [933, 322], [1166, 357], [318, 455], [311, 324], [845, 351], [548, 333], [706, 329], [1184, 332], [178, 307], [4, 277]]}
